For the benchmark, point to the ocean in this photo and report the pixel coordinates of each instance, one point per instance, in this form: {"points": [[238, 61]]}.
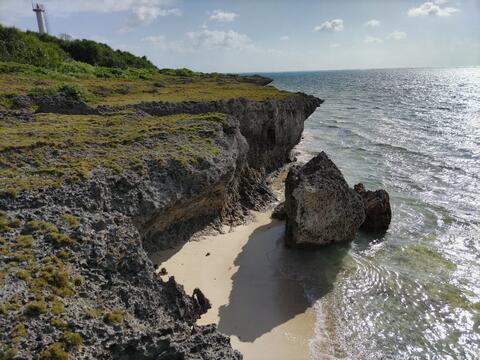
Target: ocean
{"points": [[415, 292]]}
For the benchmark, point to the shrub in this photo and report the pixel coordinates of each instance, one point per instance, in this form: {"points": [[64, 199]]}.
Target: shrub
{"points": [[93, 313], [27, 48], [73, 91], [71, 221], [113, 317], [57, 307], [19, 331], [36, 308], [24, 240], [54, 352], [60, 239], [72, 339]]}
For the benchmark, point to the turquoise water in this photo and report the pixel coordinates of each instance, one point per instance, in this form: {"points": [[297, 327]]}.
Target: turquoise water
{"points": [[414, 293]]}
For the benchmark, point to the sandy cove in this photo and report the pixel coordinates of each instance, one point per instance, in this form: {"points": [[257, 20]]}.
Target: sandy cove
{"points": [[265, 313]]}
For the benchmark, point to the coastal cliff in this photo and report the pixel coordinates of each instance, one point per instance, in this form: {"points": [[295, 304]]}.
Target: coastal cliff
{"points": [[86, 193]]}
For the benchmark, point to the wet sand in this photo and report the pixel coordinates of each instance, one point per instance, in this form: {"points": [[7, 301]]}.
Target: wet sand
{"points": [[265, 313]]}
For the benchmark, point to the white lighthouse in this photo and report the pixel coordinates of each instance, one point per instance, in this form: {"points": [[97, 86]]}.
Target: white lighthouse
{"points": [[39, 10]]}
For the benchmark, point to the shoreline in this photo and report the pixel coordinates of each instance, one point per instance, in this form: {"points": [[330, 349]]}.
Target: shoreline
{"points": [[266, 314]]}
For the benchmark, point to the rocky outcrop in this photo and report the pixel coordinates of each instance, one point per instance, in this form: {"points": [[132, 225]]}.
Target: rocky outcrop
{"points": [[378, 213], [272, 128], [121, 216], [279, 212], [321, 209]]}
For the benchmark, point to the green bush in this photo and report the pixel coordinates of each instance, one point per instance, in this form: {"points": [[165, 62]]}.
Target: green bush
{"points": [[73, 91], [52, 52], [72, 339], [25, 48]]}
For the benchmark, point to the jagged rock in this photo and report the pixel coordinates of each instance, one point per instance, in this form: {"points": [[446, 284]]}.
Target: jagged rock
{"points": [[378, 213], [279, 212], [21, 102], [61, 104], [320, 207]]}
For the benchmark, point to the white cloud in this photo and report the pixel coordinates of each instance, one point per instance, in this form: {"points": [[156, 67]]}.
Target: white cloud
{"points": [[372, 40], [373, 23], [160, 42], [222, 16], [144, 15], [219, 39], [285, 38], [140, 10], [397, 35], [332, 25], [335, 45], [432, 8]]}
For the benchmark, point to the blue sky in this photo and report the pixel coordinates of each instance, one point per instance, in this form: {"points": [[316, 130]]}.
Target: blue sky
{"points": [[270, 35]]}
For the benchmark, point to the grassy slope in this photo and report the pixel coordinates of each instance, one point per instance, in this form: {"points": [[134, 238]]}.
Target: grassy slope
{"points": [[128, 86]]}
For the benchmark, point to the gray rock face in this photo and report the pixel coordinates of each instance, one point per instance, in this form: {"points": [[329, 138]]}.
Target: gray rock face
{"points": [[321, 209], [378, 213], [272, 127]]}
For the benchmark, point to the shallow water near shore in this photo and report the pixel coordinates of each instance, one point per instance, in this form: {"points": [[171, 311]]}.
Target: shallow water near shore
{"points": [[415, 292]]}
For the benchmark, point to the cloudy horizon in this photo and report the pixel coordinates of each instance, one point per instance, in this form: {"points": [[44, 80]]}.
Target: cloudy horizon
{"points": [[248, 36]]}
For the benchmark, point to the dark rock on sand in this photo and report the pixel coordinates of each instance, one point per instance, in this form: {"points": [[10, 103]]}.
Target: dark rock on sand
{"points": [[378, 213], [279, 212], [320, 207]]}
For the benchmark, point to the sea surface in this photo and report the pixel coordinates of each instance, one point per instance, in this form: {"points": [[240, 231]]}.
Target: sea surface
{"points": [[413, 293]]}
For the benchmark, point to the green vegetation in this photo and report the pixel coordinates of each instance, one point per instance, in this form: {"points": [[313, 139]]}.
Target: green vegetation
{"points": [[35, 308], [53, 149], [24, 240], [93, 313], [72, 221], [59, 324], [72, 339], [113, 317], [7, 353], [57, 307], [73, 91], [60, 239], [49, 51], [27, 48], [19, 331], [54, 352]]}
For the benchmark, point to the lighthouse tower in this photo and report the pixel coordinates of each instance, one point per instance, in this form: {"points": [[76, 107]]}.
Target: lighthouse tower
{"points": [[39, 10]]}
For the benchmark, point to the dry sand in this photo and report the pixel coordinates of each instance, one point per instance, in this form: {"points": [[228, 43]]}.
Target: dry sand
{"points": [[265, 313]]}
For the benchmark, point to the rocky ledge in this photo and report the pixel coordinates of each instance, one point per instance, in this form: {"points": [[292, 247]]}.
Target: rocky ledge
{"points": [[89, 194]]}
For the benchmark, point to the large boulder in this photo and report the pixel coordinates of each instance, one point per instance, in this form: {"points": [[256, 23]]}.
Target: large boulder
{"points": [[321, 208], [378, 213]]}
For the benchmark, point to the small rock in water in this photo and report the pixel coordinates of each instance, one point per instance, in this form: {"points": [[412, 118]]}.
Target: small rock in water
{"points": [[378, 213], [321, 208], [163, 271], [207, 254]]}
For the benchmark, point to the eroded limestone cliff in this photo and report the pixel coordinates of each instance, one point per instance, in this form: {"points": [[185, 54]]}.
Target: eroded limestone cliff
{"points": [[76, 277]]}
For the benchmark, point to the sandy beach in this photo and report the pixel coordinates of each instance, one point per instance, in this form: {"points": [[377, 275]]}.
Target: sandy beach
{"points": [[265, 313]]}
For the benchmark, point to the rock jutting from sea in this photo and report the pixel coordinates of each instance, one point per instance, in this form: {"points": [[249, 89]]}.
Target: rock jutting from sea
{"points": [[320, 208]]}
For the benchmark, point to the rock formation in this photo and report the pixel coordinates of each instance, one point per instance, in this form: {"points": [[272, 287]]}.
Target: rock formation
{"points": [[321, 208], [279, 212], [378, 213], [84, 244]]}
